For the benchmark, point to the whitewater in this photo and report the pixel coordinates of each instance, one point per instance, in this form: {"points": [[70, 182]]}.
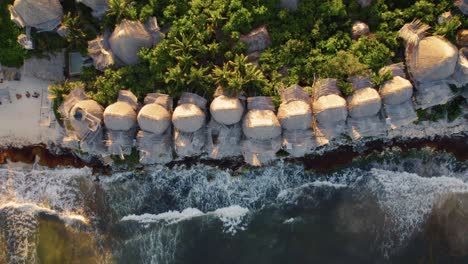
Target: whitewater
{"points": [[164, 215]]}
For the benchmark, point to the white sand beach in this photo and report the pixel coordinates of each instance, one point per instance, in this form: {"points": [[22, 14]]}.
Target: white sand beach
{"points": [[26, 121]]}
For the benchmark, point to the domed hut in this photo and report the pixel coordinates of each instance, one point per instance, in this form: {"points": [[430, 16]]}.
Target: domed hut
{"points": [[99, 50], [224, 130], [127, 39], [83, 119], [358, 29], [262, 131], [154, 138], [397, 100], [44, 15], [431, 62], [329, 111], [120, 119], [365, 118], [122, 46], [189, 120], [99, 7], [295, 116]]}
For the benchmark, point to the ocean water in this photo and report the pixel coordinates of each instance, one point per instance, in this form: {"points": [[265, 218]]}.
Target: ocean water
{"points": [[391, 207]]}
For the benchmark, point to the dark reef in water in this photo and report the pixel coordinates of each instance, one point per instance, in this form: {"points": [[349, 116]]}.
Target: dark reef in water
{"points": [[329, 160]]}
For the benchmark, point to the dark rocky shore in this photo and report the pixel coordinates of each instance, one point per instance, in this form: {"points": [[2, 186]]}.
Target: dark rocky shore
{"points": [[326, 161]]}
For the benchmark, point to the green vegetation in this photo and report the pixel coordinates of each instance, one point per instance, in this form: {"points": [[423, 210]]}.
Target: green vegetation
{"points": [[131, 161], [11, 52], [450, 110], [201, 48], [58, 93]]}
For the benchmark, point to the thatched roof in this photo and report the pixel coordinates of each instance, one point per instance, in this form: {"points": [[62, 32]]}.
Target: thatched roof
{"points": [[364, 102], [400, 114], [260, 103], [128, 97], [295, 115], [434, 93], [99, 7], [396, 91], [360, 82], [462, 38], [127, 39], [84, 116], [260, 152], [155, 148], [294, 93], [120, 116], [223, 141], [226, 110], [41, 14], [154, 118], [191, 98], [367, 126], [189, 144], [364, 3], [325, 87], [261, 124], [359, 29], [99, 50], [461, 71], [162, 99], [330, 109], [298, 142], [257, 40], [188, 118], [434, 58]]}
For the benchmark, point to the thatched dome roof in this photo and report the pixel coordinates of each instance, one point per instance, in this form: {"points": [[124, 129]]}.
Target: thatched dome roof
{"points": [[364, 102], [188, 118], [99, 7], [226, 110], [359, 29], [261, 124], [127, 39], [435, 59], [41, 14], [154, 118], [120, 116], [99, 50], [330, 109], [295, 115], [79, 112], [396, 91]]}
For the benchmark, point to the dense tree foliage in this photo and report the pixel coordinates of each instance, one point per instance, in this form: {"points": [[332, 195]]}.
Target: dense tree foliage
{"points": [[11, 52], [201, 48]]}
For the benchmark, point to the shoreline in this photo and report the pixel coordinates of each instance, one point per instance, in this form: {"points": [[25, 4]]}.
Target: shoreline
{"points": [[322, 161]]}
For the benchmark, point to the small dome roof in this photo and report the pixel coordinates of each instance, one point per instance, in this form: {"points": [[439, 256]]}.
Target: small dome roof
{"points": [[396, 91], [188, 118], [120, 116], [295, 115], [154, 118], [364, 102], [226, 110], [261, 124], [127, 39], [436, 59], [330, 109]]}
